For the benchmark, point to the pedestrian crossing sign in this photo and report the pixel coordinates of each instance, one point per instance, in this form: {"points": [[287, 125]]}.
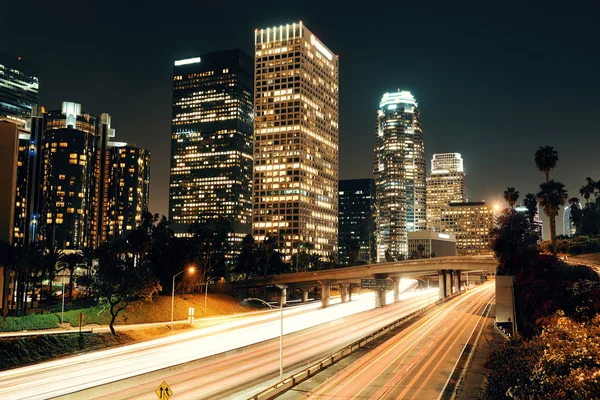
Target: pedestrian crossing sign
{"points": [[164, 391]]}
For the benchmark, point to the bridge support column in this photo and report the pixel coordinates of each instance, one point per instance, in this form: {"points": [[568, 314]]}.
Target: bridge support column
{"points": [[396, 286], [442, 283], [448, 286], [380, 298], [325, 294], [458, 281], [283, 296], [304, 296], [344, 292], [349, 292]]}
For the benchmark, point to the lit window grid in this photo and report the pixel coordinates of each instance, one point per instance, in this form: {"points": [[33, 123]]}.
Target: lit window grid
{"points": [[471, 225], [296, 140]]}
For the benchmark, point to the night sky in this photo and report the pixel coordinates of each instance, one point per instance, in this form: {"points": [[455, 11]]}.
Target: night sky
{"points": [[494, 80]]}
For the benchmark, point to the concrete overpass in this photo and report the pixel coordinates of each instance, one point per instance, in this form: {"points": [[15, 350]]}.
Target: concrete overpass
{"points": [[448, 270]]}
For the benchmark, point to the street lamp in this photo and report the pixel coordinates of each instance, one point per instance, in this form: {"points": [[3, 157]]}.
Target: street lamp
{"points": [[280, 333], [190, 269]]}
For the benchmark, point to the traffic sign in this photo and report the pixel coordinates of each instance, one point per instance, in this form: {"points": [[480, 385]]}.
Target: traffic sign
{"points": [[164, 391], [376, 284]]}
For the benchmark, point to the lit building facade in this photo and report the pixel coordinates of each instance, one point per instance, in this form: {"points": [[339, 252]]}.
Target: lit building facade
{"points": [[211, 142], [19, 87], [470, 223], [129, 188], [569, 228], [296, 140], [399, 172], [357, 219], [446, 183], [69, 154]]}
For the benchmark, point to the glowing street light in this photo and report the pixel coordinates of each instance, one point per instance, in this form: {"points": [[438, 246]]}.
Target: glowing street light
{"points": [[280, 332], [190, 269]]}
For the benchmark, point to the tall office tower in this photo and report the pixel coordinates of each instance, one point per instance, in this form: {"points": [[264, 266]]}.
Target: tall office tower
{"points": [[19, 86], [356, 221], [446, 183], [99, 200], [470, 223], [20, 205], [399, 171], [211, 142], [128, 190], [69, 152], [569, 228], [296, 140]]}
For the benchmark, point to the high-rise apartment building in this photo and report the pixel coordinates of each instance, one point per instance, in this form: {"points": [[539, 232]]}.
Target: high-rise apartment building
{"points": [[129, 188], [446, 183], [211, 142], [9, 158], [399, 172], [73, 193], [356, 223], [19, 87], [470, 223], [296, 140]]}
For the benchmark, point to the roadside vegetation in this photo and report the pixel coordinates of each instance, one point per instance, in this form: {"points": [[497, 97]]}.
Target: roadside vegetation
{"points": [[556, 353]]}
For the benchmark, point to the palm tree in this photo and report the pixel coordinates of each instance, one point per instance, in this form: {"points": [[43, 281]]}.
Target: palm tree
{"points": [[511, 195], [269, 244], [545, 160], [588, 189], [530, 202], [551, 196], [72, 261], [50, 261]]}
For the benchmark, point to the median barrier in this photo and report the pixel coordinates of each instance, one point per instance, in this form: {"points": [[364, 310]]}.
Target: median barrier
{"points": [[286, 384]]}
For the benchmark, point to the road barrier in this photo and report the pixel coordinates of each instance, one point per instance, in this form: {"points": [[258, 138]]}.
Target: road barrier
{"points": [[286, 384]]}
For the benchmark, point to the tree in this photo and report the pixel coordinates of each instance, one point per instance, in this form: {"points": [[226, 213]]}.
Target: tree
{"points": [[545, 160], [576, 213], [421, 250], [588, 189], [511, 195], [514, 241], [246, 265], [72, 261], [268, 246], [530, 202], [551, 196], [119, 280]]}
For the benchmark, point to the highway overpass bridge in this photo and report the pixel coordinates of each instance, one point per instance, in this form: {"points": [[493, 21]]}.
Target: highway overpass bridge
{"points": [[449, 270]]}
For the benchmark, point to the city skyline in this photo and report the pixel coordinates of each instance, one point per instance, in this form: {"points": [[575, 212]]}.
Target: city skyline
{"points": [[494, 63]]}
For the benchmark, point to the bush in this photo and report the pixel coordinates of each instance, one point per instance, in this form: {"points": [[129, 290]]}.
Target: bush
{"points": [[573, 245], [31, 322]]}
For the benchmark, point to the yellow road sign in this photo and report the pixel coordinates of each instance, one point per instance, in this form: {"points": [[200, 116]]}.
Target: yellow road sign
{"points": [[164, 391]]}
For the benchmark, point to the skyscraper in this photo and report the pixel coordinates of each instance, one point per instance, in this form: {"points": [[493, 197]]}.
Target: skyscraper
{"points": [[399, 172], [19, 86], [69, 153], [446, 183], [357, 220], [129, 188], [296, 140], [211, 142]]}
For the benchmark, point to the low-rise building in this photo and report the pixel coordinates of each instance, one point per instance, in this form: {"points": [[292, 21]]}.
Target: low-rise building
{"points": [[434, 244]]}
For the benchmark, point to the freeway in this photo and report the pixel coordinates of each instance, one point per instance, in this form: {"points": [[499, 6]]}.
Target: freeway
{"points": [[418, 361], [221, 370]]}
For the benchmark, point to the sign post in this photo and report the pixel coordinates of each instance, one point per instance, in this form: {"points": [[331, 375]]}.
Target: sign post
{"points": [[163, 391]]}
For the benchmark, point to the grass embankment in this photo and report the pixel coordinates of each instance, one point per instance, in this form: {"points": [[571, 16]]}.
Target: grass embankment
{"points": [[26, 350], [158, 310]]}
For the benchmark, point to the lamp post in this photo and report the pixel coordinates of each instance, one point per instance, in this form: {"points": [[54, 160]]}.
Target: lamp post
{"points": [[280, 332], [191, 269]]}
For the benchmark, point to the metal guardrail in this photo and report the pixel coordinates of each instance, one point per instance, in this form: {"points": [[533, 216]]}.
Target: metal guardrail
{"points": [[287, 383]]}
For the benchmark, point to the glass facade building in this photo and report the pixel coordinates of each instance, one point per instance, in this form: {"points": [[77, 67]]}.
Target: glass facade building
{"points": [[296, 141], [211, 142], [399, 172], [446, 183], [19, 87], [357, 219]]}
